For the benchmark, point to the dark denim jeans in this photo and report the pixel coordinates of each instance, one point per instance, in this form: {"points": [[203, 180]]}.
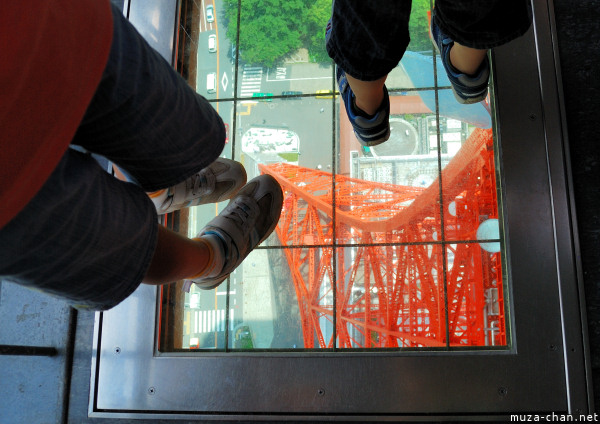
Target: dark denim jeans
{"points": [[87, 236], [368, 38]]}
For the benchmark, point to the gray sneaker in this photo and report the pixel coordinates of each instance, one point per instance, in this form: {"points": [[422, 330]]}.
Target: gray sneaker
{"points": [[249, 218], [219, 181]]}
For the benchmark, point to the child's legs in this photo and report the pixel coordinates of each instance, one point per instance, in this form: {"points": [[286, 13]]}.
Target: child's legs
{"points": [[368, 94], [483, 24], [466, 59], [368, 39], [145, 118]]}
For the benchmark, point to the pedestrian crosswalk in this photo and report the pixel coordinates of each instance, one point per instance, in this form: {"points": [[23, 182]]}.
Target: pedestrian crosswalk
{"points": [[251, 80], [211, 321]]}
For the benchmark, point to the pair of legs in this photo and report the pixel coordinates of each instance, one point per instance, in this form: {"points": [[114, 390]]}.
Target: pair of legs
{"points": [[366, 40], [369, 94], [91, 238]]}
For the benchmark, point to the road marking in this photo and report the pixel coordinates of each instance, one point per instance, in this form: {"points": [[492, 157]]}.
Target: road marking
{"points": [[251, 80], [211, 321], [281, 73], [298, 79], [248, 108], [224, 81]]}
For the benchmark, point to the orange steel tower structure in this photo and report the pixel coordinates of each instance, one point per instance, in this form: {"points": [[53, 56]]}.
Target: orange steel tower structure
{"points": [[379, 265]]}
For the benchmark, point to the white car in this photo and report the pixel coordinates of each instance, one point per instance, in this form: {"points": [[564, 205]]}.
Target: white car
{"points": [[211, 83], [212, 43], [210, 13]]}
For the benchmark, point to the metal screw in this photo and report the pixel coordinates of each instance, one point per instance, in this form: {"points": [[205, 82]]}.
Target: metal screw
{"points": [[321, 392], [151, 390], [117, 350], [532, 117], [502, 391], [552, 347]]}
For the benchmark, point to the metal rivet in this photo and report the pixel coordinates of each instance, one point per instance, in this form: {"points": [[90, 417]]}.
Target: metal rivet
{"points": [[321, 392], [117, 350], [532, 117], [552, 347], [502, 391], [151, 390]]}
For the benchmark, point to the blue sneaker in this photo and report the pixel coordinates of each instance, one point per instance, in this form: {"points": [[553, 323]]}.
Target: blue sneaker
{"points": [[369, 131], [467, 88]]}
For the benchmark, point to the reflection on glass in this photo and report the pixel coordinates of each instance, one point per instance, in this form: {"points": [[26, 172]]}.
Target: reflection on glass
{"points": [[395, 246]]}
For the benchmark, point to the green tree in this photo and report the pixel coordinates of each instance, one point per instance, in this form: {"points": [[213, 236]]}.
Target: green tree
{"points": [[270, 29], [419, 26], [273, 29], [317, 15]]}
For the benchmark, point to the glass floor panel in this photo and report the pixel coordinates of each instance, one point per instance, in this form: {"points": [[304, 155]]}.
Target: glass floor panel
{"points": [[397, 246]]}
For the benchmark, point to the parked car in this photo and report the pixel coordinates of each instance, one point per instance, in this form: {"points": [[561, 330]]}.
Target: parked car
{"points": [[211, 82], [212, 43], [325, 94], [291, 95], [210, 13]]}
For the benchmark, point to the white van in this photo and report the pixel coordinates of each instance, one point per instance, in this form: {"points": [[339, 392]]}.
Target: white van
{"points": [[211, 83]]}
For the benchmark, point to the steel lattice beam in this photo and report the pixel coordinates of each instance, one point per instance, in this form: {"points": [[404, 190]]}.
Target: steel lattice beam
{"points": [[396, 283]]}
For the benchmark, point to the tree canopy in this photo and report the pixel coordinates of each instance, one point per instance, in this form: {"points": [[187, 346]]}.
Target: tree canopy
{"points": [[272, 29], [419, 26]]}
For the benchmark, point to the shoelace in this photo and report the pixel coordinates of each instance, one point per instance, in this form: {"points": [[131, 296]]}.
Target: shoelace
{"points": [[200, 184], [240, 213]]}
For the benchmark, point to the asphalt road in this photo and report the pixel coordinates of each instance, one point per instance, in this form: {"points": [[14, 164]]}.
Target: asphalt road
{"points": [[312, 119]]}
